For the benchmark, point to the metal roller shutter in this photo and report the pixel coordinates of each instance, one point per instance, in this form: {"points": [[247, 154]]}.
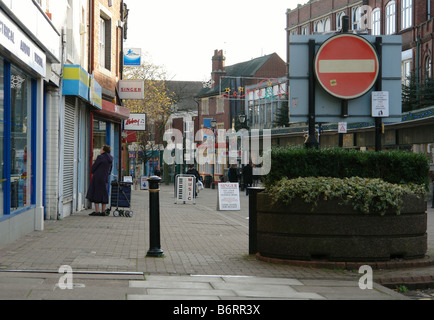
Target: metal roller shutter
{"points": [[68, 160]]}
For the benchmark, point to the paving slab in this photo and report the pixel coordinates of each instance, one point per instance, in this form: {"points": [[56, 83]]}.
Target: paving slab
{"points": [[202, 248]]}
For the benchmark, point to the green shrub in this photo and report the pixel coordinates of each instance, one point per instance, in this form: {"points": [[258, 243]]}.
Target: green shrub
{"points": [[363, 194], [398, 167]]}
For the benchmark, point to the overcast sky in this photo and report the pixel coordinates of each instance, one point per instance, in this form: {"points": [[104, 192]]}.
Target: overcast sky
{"points": [[181, 35]]}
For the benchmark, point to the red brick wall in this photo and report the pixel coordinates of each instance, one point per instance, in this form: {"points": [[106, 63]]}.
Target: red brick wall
{"points": [[107, 78], [275, 67]]}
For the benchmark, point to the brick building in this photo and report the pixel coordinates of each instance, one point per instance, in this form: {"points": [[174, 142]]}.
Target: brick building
{"points": [[224, 99], [409, 18]]}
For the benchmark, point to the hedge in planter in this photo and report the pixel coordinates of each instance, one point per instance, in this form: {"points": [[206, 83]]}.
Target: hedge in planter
{"points": [[399, 167], [350, 219]]}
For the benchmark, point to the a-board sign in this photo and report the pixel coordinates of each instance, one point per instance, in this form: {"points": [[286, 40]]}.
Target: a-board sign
{"points": [[144, 185], [185, 189], [228, 197]]}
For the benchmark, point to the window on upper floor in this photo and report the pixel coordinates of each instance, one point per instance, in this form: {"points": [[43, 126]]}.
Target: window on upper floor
{"points": [[356, 18], [318, 26], [305, 30], [105, 43], [327, 26], [205, 106], [339, 17], [220, 105], [428, 68], [390, 18], [406, 14], [376, 22]]}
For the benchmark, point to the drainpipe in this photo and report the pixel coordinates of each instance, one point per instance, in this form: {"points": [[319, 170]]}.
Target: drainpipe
{"points": [[91, 30]]}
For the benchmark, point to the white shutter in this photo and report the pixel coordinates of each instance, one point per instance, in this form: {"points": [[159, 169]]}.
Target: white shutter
{"points": [[68, 159]]}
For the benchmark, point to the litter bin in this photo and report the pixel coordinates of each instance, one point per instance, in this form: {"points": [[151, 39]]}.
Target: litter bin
{"points": [[207, 182]]}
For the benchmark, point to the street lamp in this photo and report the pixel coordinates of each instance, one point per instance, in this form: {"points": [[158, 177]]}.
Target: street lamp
{"points": [[213, 126]]}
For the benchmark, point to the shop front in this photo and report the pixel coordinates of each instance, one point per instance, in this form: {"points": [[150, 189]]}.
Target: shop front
{"points": [[22, 73], [107, 130], [82, 96]]}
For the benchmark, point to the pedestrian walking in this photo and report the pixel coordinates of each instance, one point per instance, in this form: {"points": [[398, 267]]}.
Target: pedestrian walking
{"points": [[98, 189], [248, 176], [233, 173]]}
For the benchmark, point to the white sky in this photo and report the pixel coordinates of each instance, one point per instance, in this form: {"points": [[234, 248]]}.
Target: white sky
{"points": [[181, 35]]}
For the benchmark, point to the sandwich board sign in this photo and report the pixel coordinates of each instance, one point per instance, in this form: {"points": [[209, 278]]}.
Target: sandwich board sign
{"points": [[228, 197]]}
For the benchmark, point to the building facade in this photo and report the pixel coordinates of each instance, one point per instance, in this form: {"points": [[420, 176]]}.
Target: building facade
{"points": [[223, 100], [57, 104], [29, 51]]}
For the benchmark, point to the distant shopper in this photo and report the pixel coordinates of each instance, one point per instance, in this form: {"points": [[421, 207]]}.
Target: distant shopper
{"points": [[248, 176], [98, 189], [233, 173]]}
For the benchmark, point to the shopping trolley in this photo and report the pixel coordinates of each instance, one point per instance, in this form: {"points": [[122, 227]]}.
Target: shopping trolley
{"points": [[121, 198]]}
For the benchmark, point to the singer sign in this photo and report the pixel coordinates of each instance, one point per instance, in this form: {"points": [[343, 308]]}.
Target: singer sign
{"points": [[136, 122], [131, 89]]}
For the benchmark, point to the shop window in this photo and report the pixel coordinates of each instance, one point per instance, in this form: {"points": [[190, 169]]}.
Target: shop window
{"points": [[99, 136], [21, 140]]}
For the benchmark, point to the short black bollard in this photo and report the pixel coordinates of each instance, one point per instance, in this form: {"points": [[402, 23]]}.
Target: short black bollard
{"points": [[253, 219], [154, 217]]}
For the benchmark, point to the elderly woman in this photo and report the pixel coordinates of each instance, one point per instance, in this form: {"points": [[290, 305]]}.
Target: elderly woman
{"points": [[98, 189]]}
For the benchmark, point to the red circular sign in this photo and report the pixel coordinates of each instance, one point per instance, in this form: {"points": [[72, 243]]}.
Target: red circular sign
{"points": [[346, 66]]}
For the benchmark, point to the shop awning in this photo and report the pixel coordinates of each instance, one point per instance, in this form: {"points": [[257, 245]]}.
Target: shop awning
{"points": [[77, 82], [114, 111]]}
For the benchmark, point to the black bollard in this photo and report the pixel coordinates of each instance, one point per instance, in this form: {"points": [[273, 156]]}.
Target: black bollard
{"points": [[253, 219], [154, 217]]}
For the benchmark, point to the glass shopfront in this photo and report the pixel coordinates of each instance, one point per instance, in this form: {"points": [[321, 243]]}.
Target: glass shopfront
{"points": [[17, 140], [99, 136], [21, 140]]}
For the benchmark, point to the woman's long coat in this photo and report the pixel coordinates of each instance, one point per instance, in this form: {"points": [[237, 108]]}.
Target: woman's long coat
{"points": [[101, 169]]}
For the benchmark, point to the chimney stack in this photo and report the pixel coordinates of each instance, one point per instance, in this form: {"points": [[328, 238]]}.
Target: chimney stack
{"points": [[218, 66]]}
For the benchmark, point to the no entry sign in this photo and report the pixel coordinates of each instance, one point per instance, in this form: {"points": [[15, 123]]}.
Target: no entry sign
{"points": [[346, 66]]}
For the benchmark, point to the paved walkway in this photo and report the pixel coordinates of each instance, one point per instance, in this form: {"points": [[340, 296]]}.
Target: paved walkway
{"points": [[205, 257]]}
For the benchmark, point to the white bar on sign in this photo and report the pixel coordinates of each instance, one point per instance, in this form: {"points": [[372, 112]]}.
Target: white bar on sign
{"points": [[346, 66]]}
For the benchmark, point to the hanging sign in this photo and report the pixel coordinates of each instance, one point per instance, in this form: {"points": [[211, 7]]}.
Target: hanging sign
{"points": [[136, 122]]}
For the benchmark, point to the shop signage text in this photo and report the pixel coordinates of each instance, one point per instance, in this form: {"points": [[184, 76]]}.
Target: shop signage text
{"points": [[15, 41]]}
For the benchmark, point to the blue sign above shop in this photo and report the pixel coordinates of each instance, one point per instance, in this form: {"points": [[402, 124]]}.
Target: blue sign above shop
{"points": [[77, 82]]}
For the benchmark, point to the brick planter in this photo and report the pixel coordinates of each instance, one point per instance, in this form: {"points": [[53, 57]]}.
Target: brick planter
{"points": [[333, 232]]}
